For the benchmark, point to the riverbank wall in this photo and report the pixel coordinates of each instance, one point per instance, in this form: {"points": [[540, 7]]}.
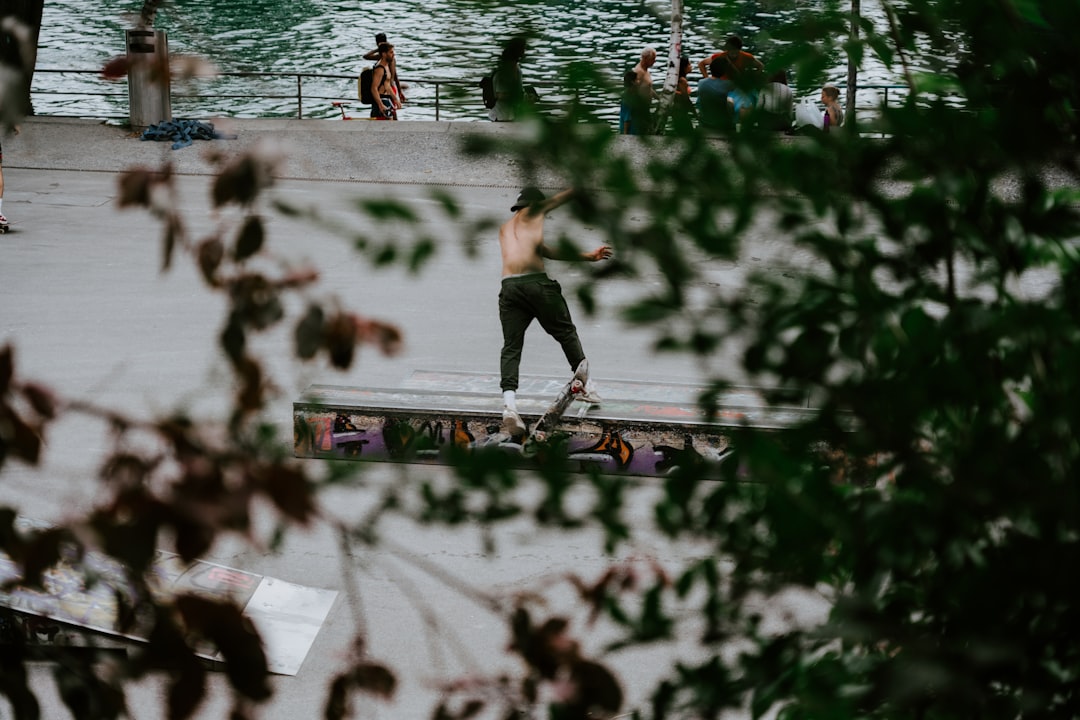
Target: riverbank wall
{"points": [[342, 151]]}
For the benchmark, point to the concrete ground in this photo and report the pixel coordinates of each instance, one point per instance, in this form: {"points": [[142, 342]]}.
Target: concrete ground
{"points": [[90, 313]]}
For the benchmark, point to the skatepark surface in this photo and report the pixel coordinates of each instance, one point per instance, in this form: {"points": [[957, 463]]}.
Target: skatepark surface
{"points": [[90, 313]]}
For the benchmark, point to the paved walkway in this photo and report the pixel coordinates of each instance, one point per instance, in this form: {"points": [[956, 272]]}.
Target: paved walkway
{"points": [[327, 150], [84, 301]]}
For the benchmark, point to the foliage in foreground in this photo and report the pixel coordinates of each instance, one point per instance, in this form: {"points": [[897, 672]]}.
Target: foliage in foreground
{"points": [[942, 528]]}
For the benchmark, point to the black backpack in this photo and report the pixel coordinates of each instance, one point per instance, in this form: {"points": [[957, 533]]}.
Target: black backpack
{"points": [[365, 85], [487, 87]]}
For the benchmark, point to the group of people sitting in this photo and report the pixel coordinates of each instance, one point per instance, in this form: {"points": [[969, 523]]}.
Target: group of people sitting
{"points": [[730, 95]]}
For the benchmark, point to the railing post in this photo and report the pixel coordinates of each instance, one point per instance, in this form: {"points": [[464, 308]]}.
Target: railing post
{"points": [[852, 70], [437, 86], [149, 84], [299, 97]]}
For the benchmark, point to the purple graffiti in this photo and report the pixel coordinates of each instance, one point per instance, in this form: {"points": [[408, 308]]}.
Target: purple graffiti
{"points": [[639, 449]]}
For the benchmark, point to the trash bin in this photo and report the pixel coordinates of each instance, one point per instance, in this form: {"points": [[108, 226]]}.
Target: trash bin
{"points": [[149, 99]]}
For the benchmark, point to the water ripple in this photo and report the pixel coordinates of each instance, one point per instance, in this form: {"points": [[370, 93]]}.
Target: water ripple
{"points": [[436, 40]]}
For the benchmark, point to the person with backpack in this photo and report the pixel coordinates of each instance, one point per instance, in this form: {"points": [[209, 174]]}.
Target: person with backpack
{"points": [[743, 70], [506, 83], [380, 38], [384, 97]]}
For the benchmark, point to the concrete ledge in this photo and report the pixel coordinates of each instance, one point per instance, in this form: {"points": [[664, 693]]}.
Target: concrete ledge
{"points": [[385, 434], [356, 124], [426, 424]]}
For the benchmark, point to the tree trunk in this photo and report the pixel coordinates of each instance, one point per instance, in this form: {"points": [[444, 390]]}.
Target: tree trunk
{"points": [[852, 71], [20, 25], [671, 80]]}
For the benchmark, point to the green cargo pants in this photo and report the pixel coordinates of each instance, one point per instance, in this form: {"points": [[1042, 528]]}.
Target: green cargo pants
{"points": [[523, 298]]}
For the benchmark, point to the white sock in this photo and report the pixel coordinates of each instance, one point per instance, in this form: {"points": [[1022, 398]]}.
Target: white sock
{"points": [[1, 206], [509, 399]]}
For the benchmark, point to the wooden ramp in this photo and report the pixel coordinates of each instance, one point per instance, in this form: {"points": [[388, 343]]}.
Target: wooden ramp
{"points": [[641, 429]]}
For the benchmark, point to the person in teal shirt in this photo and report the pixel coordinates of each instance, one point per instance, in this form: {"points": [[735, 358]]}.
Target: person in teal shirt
{"points": [[714, 110]]}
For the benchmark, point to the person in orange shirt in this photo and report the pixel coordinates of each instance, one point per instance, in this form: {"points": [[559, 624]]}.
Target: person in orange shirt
{"points": [[741, 66]]}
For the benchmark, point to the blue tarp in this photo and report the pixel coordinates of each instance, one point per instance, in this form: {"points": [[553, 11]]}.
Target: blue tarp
{"points": [[183, 132]]}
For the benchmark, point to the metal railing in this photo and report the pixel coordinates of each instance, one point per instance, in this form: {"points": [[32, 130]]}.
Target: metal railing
{"points": [[461, 97], [311, 96]]}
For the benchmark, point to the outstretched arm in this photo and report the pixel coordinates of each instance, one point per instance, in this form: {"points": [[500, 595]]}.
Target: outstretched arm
{"points": [[560, 198], [549, 204], [601, 253]]}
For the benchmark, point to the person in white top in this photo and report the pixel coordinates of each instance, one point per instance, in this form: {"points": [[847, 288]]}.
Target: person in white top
{"points": [[775, 103]]}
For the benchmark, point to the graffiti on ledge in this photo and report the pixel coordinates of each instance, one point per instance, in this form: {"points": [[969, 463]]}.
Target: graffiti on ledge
{"points": [[615, 447]]}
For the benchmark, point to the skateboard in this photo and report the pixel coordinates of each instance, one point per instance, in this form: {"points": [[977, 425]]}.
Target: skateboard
{"points": [[550, 418], [5, 228]]}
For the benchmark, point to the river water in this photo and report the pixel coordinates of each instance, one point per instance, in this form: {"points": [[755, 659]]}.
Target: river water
{"points": [[445, 40]]}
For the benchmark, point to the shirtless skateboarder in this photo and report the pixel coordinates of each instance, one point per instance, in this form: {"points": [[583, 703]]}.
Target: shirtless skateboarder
{"points": [[528, 293]]}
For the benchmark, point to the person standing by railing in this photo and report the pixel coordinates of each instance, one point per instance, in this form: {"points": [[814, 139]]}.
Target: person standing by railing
{"points": [[380, 38], [683, 112], [509, 87], [644, 87], [384, 99]]}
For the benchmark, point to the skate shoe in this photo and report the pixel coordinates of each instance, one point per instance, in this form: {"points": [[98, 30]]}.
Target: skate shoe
{"points": [[3, 221], [589, 394], [512, 423]]}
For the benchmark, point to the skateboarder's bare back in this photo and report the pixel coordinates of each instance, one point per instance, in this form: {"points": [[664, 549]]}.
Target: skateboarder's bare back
{"points": [[528, 293], [521, 239]]}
